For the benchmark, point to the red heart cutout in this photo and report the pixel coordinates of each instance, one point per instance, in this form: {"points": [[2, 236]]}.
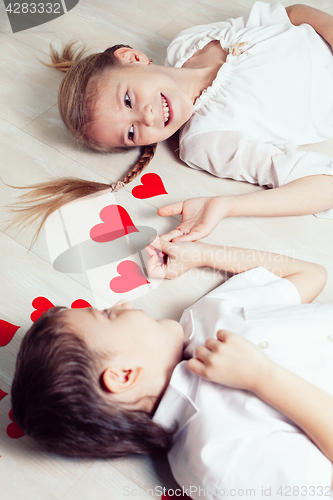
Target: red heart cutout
{"points": [[7, 332], [152, 185], [80, 304], [41, 304], [116, 223], [130, 277], [13, 430], [2, 394]]}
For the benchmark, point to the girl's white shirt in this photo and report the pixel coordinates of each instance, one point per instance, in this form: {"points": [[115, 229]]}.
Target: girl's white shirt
{"points": [[273, 94], [228, 440]]}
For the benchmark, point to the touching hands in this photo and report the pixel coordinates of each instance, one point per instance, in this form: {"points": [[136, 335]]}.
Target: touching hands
{"points": [[170, 260], [231, 360], [199, 216]]}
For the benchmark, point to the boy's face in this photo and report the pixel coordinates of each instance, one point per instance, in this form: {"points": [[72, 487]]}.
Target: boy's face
{"points": [[133, 343]]}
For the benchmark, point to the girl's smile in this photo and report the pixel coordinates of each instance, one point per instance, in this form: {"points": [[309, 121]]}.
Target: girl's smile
{"points": [[138, 103]]}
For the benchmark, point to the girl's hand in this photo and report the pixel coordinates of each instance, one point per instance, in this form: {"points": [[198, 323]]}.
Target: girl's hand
{"points": [[170, 260], [200, 216], [231, 360]]}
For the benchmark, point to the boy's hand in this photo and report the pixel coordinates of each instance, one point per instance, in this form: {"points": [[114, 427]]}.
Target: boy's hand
{"points": [[170, 260], [231, 360], [199, 216]]}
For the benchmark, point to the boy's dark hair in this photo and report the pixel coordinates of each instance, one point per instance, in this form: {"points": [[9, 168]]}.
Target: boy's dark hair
{"points": [[57, 401]]}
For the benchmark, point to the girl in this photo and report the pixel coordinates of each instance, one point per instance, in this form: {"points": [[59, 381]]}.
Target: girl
{"points": [[244, 93], [108, 383]]}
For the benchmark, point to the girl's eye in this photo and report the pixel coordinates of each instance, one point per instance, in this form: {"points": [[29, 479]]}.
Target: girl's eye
{"points": [[131, 133], [106, 313], [127, 101]]}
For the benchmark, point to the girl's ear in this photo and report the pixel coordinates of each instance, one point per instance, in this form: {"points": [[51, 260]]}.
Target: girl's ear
{"points": [[125, 54], [118, 381]]}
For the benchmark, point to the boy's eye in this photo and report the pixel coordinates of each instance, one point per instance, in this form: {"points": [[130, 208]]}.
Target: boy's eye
{"points": [[127, 101], [106, 313], [131, 133]]}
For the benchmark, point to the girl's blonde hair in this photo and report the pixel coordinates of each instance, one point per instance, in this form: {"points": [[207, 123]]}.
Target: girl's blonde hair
{"points": [[76, 102]]}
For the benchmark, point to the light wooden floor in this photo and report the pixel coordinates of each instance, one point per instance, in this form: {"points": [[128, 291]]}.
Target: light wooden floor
{"points": [[35, 146]]}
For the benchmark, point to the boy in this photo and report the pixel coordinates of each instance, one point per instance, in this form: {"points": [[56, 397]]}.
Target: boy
{"points": [[229, 441]]}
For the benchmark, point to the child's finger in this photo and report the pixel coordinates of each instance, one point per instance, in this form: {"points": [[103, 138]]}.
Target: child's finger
{"points": [[171, 235], [166, 247], [213, 344], [155, 268], [223, 335], [203, 354], [150, 250], [153, 261], [173, 209], [191, 236], [196, 366]]}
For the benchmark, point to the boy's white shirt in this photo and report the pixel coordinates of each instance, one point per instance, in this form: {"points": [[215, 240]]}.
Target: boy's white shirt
{"points": [[271, 95], [228, 439]]}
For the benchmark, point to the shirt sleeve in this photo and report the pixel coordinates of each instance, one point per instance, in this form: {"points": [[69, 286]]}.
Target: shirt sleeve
{"points": [[294, 164], [257, 287], [262, 14], [234, 155]]}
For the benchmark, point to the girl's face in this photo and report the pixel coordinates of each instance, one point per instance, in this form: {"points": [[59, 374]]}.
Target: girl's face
{"points": [[139, 104], [133, 343]]}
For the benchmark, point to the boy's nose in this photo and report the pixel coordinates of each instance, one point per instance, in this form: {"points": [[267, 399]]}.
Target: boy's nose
{"points": [[148, 117]]}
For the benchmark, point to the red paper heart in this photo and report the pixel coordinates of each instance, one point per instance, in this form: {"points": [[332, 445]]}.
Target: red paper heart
{"points": [[41, 304], [13, 430], [80, 304], [152, 185], [7, 332], [116, 223], [2, 394], [130, 277]]}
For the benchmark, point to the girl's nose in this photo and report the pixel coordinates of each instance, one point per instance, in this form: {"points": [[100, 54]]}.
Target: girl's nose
{"points": [[148, 117]]}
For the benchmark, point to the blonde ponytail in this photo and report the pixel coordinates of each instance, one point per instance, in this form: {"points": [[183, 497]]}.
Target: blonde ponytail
{"points": [[75, 107], [70, 55], [46, 197]]}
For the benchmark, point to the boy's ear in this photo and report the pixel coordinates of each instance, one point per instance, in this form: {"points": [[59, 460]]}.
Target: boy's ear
{"points": [[117, 380], [125, 54]]}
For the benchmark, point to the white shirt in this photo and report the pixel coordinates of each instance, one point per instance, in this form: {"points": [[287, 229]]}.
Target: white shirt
{"points": [[229, 439], [273, 94]]}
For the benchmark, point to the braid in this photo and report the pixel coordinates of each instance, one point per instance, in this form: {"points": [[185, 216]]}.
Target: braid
{"points": [[46, 197], [145, 159], [74, 103]]}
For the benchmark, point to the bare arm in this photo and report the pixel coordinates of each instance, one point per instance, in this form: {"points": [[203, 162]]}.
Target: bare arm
{"points": [[320, 21], [304, 196], [200, 216], [309, 278], [305, 404]]}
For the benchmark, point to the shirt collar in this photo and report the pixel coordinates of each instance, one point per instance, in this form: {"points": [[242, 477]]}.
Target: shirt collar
{"points": [[177, 404], [187, 322]]}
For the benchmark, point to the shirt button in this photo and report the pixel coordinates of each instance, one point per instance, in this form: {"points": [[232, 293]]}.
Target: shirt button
{"points": [[330, 337], [263, 345]]}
